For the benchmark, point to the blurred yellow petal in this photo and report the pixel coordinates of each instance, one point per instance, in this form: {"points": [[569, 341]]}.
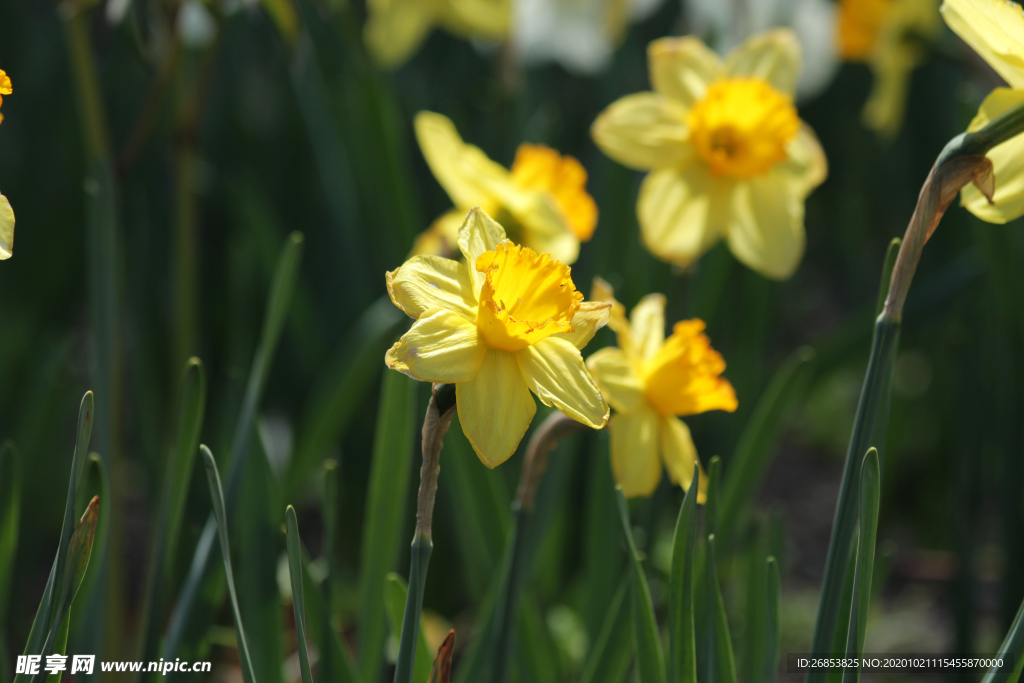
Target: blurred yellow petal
{"points": [[1007, 163], [489, 19], [478, 235], [542, 225], [883, 112], [442, 237], [554, 370], [441, 346], [635, 442], [647, 320], [464, 171], [773, 56], [495, 408], [591, 316], [766, 227], [425, 282], [6, 229], [617, 379], [564, 179], [995, 30], [643, 131], [805, 167], [396, 28], [602, 291], [682, 212], [682, 68], [684, 378], [679, 454]]}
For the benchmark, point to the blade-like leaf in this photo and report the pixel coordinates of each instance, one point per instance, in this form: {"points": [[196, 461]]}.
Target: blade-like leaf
{"points": [[681, 621], [774, 589], [342, 670], [650, 661], [865, 567], [330, 497], [10, 510], [390, 475], [220, 515], [609, 657], [396, 592], [757, 444], [298, 595], [1012, 649], [723, 661], [441, 672], [97, 480]]}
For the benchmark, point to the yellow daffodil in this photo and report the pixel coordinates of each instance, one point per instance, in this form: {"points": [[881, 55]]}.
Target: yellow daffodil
{"points": [[395, 29], [501, 323], [728, 154], [6, 212], [649, 380], [542, 202], [995, 29], [890, 36]]}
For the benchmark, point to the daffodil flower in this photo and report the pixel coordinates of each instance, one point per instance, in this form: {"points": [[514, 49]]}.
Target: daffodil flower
{"points": [[395, 29], [502, 323], [728, 154], [542, 202], [650, 380], [6, 212], [890, 36], [995, 30]]}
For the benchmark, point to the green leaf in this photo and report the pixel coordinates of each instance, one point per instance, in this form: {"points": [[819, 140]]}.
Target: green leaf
{"points": [[203, 589], [342, 389], [760, 437], [396, 592], [681, 623], [1012, 647], [713, 503], [98, 480], [723, 661], [537, 659], [341, 670], [864, 571], [391, 471], [220, 515], [609, 657], [298, 595], [45, 623], [10, 511], [774, 591], [650, 661], [887, 266], [172, 506]]}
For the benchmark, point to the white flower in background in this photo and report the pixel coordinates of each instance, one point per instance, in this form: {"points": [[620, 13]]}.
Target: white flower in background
{"points": [[724, 24], [581, 35]]}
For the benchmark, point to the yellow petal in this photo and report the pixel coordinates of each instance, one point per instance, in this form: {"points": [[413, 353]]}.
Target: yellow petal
{"points": [[440, 347], [684, 378], [635, 442], [489, 19], [478, 235], [554, 370], [682, 212], [994, 29], [680, 454], [544, 227], [396, 28], [766, 228], [425, 282], [682, 68], [647, 321], [806, 166], [1007, 162], [464, 171], [442, 237], [602, 291], [643, 131], [591, 316], [6, 229], [617, 379], [495, 408], [773, 56]]}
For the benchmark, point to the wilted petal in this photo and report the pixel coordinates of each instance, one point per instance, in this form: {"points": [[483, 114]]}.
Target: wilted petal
{"points": [[440, 347], [635, 442], [495, 408], [554, 370]]}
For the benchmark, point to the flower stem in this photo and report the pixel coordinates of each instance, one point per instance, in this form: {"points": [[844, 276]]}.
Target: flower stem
{"points": [[440, 411], [961, 162], [555, 428]]}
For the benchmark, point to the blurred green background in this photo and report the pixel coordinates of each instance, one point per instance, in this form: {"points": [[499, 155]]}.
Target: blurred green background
{"points": [[222, 143]]}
